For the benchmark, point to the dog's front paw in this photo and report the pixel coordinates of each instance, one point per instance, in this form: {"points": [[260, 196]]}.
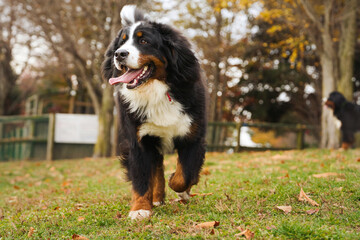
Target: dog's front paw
{"points": [[139, 214], [184, 197]]}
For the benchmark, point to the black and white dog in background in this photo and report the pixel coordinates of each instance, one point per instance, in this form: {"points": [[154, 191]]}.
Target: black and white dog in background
{"points": [[161, 100], [349, 115]]}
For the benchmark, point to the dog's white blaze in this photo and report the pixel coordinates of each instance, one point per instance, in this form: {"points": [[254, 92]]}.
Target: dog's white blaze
{"points": [[132, 61], [163, 119]]}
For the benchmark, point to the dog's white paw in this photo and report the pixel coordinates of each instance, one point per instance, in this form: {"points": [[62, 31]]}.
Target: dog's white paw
{"points": [[184, 196], [139, 214]]}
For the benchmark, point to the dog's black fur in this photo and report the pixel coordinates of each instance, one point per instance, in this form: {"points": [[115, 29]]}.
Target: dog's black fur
{"points": [[349, 115], [178, 68]]}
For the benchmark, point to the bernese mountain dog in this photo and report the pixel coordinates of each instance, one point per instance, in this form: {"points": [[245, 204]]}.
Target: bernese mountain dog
{"points": [[349, 115], [161, 100]]}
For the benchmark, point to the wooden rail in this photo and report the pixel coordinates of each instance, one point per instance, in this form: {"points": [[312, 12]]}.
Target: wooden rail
{"points": [[215, 128], [21, 136]]}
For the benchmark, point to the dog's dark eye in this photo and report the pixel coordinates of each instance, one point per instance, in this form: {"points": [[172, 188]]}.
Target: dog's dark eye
{"points": [[143, 41]]}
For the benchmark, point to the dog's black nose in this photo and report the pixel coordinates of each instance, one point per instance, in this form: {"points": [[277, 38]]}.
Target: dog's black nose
{"points": [[121, 54]]}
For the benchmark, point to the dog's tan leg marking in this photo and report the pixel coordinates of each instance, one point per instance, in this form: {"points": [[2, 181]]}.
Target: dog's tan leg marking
{"points": [[141, 205], [177, 181], [345, 145], [159, 186]]}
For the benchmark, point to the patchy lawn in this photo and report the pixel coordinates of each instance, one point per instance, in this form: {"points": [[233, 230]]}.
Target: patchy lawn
{"points": [[248, 195]]}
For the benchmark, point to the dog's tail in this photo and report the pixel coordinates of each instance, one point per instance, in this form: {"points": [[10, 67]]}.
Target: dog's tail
{"points": [[130, 14]]}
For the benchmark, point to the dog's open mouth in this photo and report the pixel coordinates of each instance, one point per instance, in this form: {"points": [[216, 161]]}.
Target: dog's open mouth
{"points": [[133, 77]]}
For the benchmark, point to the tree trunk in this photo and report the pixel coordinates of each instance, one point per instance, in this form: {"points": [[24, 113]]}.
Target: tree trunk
{"points": [[103, 145], [347, 49], [7, 76], [329, 134]]}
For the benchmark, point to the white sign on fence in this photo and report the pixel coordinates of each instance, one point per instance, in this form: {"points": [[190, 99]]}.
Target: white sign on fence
{"points": [[76, 128]]}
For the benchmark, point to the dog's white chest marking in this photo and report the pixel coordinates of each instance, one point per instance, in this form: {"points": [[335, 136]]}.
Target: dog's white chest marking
{"points": [[164, 118]]}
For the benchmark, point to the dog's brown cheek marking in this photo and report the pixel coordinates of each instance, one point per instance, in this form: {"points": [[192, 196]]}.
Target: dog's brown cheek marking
{"points": [[345, 145], [159, 185], [330, 104], [160, 72], [141, 202], [177, 181]]}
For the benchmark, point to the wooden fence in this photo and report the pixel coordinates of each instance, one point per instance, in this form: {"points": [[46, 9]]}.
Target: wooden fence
{"points": [[32, 137], [218, 133], [23, 137]]}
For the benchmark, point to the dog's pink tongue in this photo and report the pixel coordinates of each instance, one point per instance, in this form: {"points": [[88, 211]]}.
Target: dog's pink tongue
{"points": [[126, 77]]}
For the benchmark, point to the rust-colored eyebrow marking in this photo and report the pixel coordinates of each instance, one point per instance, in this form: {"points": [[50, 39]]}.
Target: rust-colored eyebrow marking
{"points": [[139, 34], [124, 36]]}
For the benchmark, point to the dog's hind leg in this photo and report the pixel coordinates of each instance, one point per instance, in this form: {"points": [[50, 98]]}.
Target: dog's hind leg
{"points": [[190, 160]]}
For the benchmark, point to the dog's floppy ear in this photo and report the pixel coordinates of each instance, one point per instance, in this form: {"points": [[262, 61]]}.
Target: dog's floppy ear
{"points": [[107, 67], [130, 14], [113, 45], [179, 54]]}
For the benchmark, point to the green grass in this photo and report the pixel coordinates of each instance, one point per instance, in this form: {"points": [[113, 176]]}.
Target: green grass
{"points": [[90, 198]]}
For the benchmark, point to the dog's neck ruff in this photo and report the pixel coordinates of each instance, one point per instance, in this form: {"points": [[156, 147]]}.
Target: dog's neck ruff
{"points": [[163, 116]]}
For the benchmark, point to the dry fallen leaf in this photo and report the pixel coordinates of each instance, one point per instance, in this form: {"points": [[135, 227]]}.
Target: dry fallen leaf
{"points": [[80, 219], [200, 194], [283, 177], [205, 171], [78, 237], [327, 174], [247, 233], [31, 231], [312, 211], [118, 215], [303, 197], [208, 224], [285, 209], [270, 227]]}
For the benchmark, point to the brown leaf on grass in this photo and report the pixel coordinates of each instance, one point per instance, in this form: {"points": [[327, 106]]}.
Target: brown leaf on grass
{"points": [[200, 194], [270, 227], [283, 177], [285, 209], [312, 211], [358, 160], [208, 224], [247, 233], [205, 171], [31, 231], [1, 214], [78, 237], [65, 183], [303, 197], [118, 215], [327, 174], [80, 219]]}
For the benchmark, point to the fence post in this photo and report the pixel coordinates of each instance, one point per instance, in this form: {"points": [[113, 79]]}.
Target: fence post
{"points": [[300, 137], [238, 132], [50, 137]]}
